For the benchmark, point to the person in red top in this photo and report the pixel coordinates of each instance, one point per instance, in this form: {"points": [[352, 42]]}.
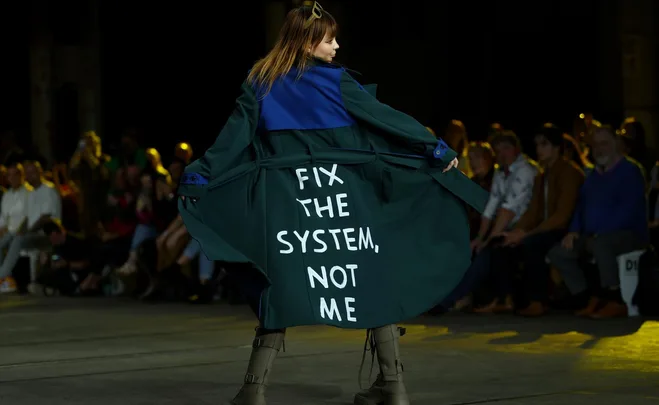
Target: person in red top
{"points": [[117, 230]]}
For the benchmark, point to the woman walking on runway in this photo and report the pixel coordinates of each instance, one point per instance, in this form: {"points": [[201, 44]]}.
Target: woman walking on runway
{"points": [[339, 209]]}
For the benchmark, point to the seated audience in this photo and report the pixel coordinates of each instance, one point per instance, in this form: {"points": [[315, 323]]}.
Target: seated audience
{"points": [[13, 213], [75, 263], [610, 219], [90, 175], [43, 204], [481, 165], [456, 138], [511, 192], [116, 232], [130, 153], [545, 223], [149, 200]]}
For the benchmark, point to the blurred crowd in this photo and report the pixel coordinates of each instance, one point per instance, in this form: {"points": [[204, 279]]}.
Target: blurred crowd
{"points": [[100, 224], [554, 226], [556, 220]]}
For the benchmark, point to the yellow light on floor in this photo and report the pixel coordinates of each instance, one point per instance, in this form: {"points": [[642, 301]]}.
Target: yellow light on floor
{"points": [[638, 351]]}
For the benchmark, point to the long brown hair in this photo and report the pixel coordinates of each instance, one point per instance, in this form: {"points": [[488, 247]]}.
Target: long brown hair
{"points": [[291, 48], [456, 136]]}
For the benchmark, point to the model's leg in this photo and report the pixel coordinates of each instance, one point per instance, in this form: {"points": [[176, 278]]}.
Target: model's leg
{"points": [[267, 344], [388, 388]]}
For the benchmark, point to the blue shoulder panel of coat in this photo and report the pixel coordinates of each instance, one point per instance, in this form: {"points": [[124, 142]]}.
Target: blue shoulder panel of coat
{"points": [[312, 101], [195, 179]]}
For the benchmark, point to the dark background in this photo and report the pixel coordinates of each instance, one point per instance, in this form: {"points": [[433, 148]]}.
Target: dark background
{"points": [[174, 69]]}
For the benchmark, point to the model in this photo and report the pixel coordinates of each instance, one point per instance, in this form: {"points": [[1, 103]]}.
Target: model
{"points": [[342, 210]]}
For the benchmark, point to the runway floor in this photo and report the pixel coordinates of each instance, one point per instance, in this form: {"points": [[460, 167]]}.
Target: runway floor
{"points": [[100, 351]]}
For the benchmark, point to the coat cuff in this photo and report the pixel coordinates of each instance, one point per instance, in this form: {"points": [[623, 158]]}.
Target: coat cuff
{"points": [[443, 152], [192, 185]]}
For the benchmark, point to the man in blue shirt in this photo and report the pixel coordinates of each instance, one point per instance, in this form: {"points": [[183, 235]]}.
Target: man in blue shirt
{"points": [[610, 219]]}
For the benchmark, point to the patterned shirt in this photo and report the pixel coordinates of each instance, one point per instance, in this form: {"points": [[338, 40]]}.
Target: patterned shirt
{"points": [[512, 191]]}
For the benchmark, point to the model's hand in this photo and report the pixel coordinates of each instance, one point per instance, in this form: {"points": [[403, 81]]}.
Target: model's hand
{"points": [[454, 163]]}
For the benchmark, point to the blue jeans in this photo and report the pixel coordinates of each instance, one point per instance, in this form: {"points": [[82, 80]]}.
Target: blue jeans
{"points": [[477, 272], [142, 233], [206, 266]]}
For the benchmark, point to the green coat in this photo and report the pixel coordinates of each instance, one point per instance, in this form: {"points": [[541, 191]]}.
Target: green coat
{"points": [[338, 201]]}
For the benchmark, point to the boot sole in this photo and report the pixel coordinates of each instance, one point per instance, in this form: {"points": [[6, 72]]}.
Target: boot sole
{"points": [[260, 402]]}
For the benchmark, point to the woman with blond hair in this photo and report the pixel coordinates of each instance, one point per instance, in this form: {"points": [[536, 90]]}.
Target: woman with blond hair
{"points": [[342, 210], [456, 138]]}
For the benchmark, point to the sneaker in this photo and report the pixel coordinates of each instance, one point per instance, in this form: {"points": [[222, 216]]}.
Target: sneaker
{"points": [[127, 268]]}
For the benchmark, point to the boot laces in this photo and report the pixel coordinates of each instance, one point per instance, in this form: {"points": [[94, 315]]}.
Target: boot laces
{"points": [[369, 345]]}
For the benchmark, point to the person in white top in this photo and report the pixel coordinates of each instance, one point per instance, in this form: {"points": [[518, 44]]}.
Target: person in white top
{"points": [[13, 207], [512, 188], [41, 204]]}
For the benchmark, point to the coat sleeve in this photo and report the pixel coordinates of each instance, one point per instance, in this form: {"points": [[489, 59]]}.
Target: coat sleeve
{"points": [[397, 126], [229, 147]]}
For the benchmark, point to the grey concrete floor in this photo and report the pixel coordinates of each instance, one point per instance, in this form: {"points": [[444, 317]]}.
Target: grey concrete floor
{"points": [[56, 351]]}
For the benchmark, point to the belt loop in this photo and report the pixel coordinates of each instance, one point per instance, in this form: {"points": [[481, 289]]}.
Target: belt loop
{"points": [[375, 150]]}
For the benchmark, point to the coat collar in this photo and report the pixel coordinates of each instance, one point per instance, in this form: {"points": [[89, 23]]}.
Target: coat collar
{"points": [[332, 65], [313, 61]]}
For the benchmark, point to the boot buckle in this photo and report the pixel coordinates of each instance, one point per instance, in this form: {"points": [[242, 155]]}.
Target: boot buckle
{"points": [[257, 343], [251, 379], [402, 331]]}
